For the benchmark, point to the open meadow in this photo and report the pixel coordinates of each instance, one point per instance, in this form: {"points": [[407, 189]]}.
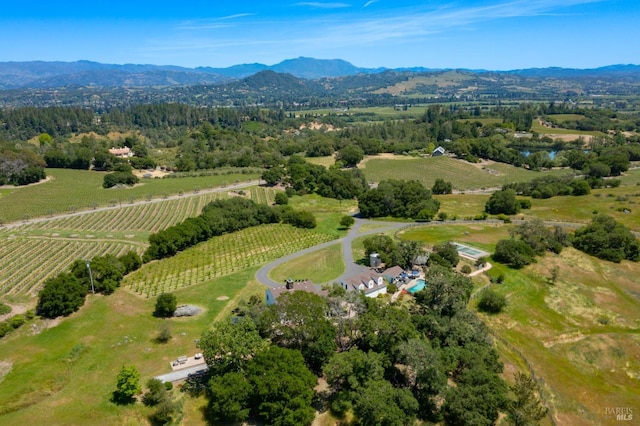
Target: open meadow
{"points": [[579, 335], [64, 373], [463, 175]]}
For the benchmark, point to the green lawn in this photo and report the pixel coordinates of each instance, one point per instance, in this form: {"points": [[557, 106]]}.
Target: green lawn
{"points": [[539, 128], [65, 374], [320, 267], [463, 175], [327, 161], [70, 190], [566, 117]]}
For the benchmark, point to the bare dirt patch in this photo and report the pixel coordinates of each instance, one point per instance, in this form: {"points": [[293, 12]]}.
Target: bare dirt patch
{"points": [[15, 310], [151, 174], [5, 368], [222, 298], [315, 125], [385, 156]]}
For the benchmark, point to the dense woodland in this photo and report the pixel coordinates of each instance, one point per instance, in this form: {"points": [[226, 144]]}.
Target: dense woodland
{"points": [[209, 138], [388, 364]]}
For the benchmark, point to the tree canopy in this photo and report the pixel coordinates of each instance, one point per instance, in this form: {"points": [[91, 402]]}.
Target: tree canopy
{"points": [[399, 198], [607, 239]]}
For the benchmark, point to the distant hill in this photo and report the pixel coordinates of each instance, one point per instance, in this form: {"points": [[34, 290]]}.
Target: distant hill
{"points": [[41, 74]]}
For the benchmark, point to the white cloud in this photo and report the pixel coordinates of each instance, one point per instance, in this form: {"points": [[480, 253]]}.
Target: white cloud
{"points": [[369, 3], [320, 5]]}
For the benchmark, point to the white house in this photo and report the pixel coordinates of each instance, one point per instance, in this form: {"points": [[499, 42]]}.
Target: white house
{"points": [[121, 152], [439, 151], [370, 283]]}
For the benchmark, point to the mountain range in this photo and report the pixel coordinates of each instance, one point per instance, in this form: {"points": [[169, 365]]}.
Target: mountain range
{"points": [[41, 74]]}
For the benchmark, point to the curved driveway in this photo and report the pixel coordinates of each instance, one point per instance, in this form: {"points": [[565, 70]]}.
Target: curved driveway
{"points": [[352, 268]]}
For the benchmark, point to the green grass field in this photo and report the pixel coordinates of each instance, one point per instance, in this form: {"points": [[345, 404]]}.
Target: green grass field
{"points": [[463, 175], [65, 374], [320, 267], [579, 333], [322, 161], [622, 203], [539, 128], [71, 190], [566, 117]]}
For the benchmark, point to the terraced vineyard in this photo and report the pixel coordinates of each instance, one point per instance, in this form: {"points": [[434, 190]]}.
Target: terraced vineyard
{"points": [[148, 217], [28, 262], [33, 252], [221, 256]]}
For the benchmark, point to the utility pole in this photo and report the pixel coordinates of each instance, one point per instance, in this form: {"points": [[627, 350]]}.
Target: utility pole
{"points": [[93, 290]]}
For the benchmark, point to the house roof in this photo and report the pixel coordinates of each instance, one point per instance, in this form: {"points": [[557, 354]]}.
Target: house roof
{"points": [[355, 281], [439, 149], [120, 151], [307, 286], [393, 272]]}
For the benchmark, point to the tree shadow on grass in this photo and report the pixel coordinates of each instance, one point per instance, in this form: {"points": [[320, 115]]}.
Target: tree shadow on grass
{"points": [[119, 399]]}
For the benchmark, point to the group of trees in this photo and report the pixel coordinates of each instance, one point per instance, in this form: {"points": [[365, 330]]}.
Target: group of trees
{"points": [[504, 201], [528, 240], [402, 253], [399, 198], [301, 177], [65, 293], [550, 186], [20, 166], [607, 239], [604, 238], [385, 363], [221, 217]]}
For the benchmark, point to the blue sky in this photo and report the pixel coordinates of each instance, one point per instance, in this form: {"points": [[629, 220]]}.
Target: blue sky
{"points": [[475, 34]]}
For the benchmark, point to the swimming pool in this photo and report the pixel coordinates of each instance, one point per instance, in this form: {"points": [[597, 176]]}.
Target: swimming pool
{"points": [[421, 284]]}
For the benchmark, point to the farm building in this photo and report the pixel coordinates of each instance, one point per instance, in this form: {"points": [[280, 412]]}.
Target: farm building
{"points": [[274, 293], [439, 151], [374, 260]]}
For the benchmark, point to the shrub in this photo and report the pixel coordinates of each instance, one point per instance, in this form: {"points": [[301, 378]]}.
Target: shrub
{"points": [[491, 302], [466, 269], [281, 198], [525, 204], [17, 321], [503, 201], [164, 334], [347, 221], [515, 253], [119, 178], [4, 309], [166, 305]]}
